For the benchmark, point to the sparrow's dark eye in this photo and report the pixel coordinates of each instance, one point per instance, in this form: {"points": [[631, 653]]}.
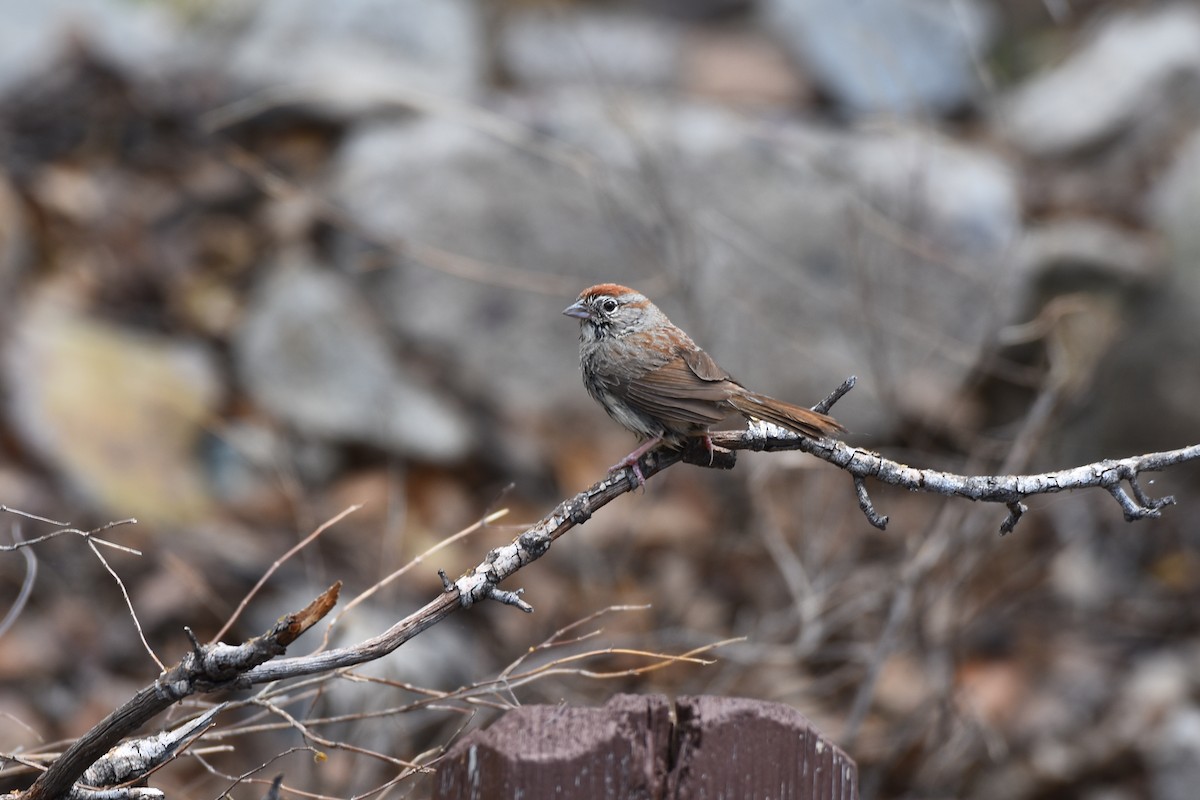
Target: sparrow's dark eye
{"points": [[609, 306]]}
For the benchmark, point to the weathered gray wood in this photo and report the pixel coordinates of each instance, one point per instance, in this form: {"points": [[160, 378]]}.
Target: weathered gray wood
{"points": [[724, 748]]}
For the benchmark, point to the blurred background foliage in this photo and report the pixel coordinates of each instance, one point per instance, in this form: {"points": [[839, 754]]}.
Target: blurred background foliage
{"points": [[264, 259]]}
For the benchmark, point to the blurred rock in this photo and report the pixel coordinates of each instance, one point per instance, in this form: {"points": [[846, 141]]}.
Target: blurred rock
{"points": [[965, 197], [1144, 376], [244, 462], [309, 353], [1078, 575], [118, 412], [698, 9], [1157, 716], [529, 232], [1156, 685], [1090, 250], [359, 54], [1149, 388], [992, 689], [903, 685], [904, 57], [1134, 68], [906, 237], [740, 68], [74, 193], [138, 37], [1175, 758], [738, 230], [555, 46]]}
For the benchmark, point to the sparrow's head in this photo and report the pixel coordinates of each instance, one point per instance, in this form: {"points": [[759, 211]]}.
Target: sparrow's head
{"points": [[609, 309]]}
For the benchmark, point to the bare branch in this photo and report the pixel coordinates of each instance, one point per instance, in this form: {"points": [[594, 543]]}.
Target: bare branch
{"points": [[305, 731], [128, 604], [206, 669], [132, 760], [248, 776], [864, 503], [31, 571], [1015, 511], [89, 535], [1007, 489], [33, 517], [237, 612], [415, 561], [120, 793], [837, 394]]}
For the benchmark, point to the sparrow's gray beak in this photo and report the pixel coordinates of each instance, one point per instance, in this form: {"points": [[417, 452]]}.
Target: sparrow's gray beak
{"points": [[577, 310]]}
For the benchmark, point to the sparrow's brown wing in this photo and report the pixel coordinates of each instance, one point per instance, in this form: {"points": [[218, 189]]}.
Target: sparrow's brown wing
{"points": [[702, 364], [689, 390]]}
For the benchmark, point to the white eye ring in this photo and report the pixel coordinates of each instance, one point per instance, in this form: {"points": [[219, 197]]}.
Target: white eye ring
{"points": [[609, 306]]}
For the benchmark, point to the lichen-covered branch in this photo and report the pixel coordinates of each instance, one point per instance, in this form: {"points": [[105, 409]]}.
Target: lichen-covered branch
{"points": [[207, 668], [1009, 490]]}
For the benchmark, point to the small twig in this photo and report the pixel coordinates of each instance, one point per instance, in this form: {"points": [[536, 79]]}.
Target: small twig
{"points": [[305, 731], [31, 570], [556, 639], [508, 598], [415, 561], [128, 604], [864, 503], [661, 660], [33, 517], [837, 394], [89, 535], [248, 776], [1015, 510], [276, 565]]}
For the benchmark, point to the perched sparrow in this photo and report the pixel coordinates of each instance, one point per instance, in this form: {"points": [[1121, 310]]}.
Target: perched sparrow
{"points": [[653, 379]]}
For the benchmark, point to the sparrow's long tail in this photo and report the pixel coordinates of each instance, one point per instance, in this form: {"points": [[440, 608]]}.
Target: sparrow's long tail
{"points": [[803, 421]]}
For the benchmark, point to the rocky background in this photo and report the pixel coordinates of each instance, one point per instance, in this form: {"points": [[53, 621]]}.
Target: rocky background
{"points": [[261, 260]]}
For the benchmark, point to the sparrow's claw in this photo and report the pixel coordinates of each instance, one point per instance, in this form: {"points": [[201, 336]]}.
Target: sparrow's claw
{"points": [[633, 458]]}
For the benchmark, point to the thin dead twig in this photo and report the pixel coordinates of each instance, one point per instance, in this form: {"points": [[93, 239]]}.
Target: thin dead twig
{"points": [[413, 562], [128, 604], [306, 731], [31, 570], [64, 529], [277, 564]]}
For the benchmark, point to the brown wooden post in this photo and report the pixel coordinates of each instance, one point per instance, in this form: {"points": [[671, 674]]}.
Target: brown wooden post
{"points": [[615, 752], [628, 749], [731, 747]]}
